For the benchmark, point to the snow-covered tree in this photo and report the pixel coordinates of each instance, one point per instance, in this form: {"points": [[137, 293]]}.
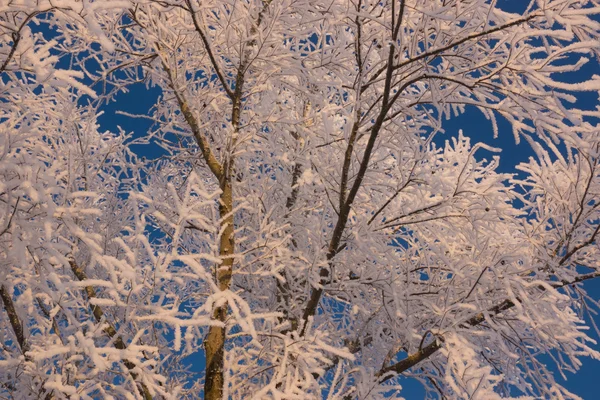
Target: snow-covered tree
{"points": [[304, 231]]}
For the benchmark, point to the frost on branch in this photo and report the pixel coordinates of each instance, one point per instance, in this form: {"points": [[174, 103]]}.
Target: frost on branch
{"points": [[298, 220]]}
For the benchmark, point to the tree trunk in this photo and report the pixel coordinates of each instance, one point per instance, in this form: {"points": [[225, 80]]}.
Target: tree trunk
{"points": [[214, 343]]}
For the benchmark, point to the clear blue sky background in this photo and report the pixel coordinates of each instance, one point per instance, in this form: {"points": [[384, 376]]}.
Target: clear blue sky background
{"points": [[473, 124]]}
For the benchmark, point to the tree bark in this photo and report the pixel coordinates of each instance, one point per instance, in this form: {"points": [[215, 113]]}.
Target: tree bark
{"points": [[15, 321], [214, 343]]}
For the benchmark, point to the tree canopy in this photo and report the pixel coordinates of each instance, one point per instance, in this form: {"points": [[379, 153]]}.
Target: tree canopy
{"points": [[303, 230]]}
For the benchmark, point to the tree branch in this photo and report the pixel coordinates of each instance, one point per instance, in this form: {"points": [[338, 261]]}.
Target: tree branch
{"points": [[334, 244], [211, 55], [15, 321], [439, 50], [110, 331], [389, 372], [214, 165]]}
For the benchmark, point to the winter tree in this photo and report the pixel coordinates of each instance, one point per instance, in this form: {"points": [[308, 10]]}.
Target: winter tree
{"points": [[306, 231]]}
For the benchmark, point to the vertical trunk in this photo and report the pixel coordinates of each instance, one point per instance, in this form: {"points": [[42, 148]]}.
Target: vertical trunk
{"points": [[214, 343]]}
